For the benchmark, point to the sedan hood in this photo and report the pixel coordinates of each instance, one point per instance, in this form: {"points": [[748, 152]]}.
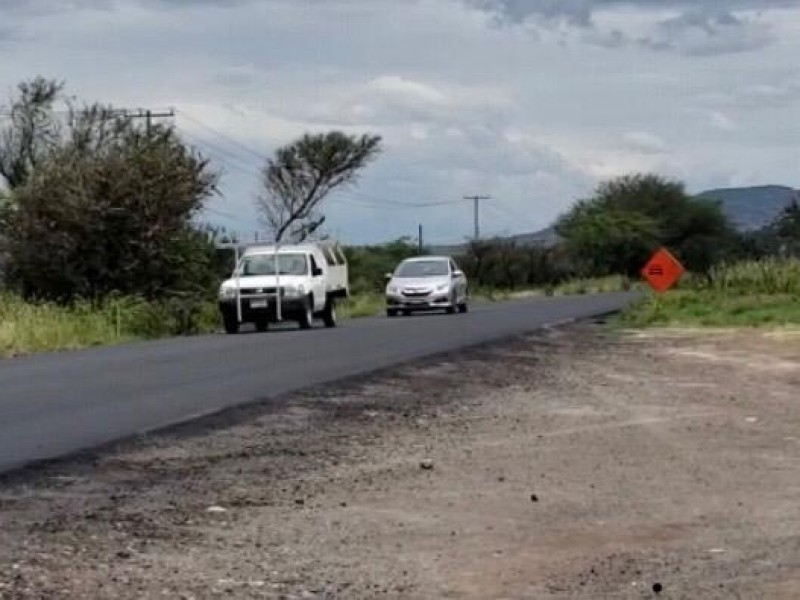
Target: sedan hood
{"points": [[423, 283]]}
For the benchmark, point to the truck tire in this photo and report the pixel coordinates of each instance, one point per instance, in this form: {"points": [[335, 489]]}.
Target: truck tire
{"points": [[262, 325], [329, 314], [307, 316], [230, 324]]}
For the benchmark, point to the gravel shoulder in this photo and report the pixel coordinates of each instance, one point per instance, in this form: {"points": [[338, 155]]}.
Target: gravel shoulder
{"points": [[573, 463]]}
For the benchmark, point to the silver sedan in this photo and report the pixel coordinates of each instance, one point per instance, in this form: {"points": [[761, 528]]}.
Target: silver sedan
{"points": [[426, 283]]}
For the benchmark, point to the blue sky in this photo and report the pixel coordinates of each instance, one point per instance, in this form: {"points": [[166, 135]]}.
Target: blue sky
{"points": [[531, 101]]}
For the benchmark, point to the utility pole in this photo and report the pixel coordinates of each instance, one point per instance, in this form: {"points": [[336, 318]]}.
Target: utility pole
{"points": [[476, 200], [147, 114], [419, 240]]}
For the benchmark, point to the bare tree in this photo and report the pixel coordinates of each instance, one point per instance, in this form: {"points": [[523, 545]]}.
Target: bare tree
{"points": [[303, 173], [32, 130]]}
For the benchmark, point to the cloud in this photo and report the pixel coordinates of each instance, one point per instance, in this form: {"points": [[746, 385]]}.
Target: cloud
{"points": [[706, 34], [388, 100], [721, 121], [573, 12], [700, 28], [645, 143], [581, 12]]}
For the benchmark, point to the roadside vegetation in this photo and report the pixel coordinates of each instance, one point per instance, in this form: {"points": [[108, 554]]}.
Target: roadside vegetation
{"points": [[102, 238], [744, 294]]}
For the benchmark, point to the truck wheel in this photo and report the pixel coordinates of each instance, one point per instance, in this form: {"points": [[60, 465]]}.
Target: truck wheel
{"points": [[230, 324], [329, 315], [307, 318], [262, 325]]}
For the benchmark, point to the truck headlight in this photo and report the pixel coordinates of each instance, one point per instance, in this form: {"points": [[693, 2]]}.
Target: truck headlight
{"points": [[294, 291], [226, 293]]}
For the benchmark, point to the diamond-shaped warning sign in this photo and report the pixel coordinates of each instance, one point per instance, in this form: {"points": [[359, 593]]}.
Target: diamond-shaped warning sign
{"points": [[663, 270]]}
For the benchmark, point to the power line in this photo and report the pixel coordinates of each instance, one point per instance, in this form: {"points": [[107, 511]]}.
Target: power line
{"points": [[223, 136], [232, 160], [143, 113]]}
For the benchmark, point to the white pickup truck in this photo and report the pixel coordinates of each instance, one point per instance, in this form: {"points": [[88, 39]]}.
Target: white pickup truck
{"points": [[286, 282]]}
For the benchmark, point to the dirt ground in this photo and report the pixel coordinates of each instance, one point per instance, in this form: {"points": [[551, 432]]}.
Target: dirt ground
{"points": [[573, 463]]}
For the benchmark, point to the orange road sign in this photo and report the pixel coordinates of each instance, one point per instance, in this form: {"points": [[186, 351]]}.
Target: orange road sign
{"points": [[662, 271]]}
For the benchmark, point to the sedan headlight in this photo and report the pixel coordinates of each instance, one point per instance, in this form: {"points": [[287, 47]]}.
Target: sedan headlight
{"points": [[393, 289], [442, 287]]}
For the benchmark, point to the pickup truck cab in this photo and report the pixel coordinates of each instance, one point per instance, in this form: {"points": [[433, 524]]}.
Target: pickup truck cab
{"points": [[286, 282]]}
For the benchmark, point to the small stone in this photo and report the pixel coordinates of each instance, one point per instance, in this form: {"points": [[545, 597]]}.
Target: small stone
{"points": [[123, 554], [299, 501], [426, 464], [534, 498], [216, 509], [658, 588]]}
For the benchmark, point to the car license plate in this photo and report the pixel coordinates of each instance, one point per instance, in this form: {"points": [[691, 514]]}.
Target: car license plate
{"points": [[258, 304]]}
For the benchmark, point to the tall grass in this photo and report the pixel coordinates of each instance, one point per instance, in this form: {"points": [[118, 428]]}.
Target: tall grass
{"points": [[597, 285], [28, 327], [753, 293]]}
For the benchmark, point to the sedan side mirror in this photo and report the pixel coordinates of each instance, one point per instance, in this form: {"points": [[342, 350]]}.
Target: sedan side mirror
{"points": [[458, 274], [388, 276]]}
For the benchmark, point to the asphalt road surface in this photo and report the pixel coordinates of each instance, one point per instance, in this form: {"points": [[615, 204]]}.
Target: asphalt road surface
{"points": [[55, 404]]}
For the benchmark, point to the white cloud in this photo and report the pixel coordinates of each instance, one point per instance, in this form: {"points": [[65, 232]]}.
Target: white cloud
{"points": [[645, 143], [721, 121]]}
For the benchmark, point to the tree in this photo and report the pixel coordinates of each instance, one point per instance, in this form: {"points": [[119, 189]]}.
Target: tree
{"points": [[787, 228], [111, 211], [32, 130], [369, 264], [303, 173], [628, 217], [608, 241]]}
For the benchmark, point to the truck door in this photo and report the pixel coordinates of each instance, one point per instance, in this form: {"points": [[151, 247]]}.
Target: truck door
{"points": [[318, 278]]}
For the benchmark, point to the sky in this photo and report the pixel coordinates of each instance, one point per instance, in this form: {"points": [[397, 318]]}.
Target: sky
{"points": [[532, 102]]}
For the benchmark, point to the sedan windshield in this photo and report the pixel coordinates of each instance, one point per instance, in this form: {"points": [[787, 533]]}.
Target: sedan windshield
{"points": [[264, 264], [423, 268]]}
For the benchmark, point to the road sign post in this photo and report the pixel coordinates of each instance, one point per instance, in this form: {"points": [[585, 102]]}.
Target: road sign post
{"points": [[662, 271]]}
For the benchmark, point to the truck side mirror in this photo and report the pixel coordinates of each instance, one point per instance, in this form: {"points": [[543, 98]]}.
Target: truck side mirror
{"points": [[316, 272]]}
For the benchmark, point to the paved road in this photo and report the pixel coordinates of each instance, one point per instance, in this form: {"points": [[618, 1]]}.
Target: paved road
{"points": [[51, 405]]}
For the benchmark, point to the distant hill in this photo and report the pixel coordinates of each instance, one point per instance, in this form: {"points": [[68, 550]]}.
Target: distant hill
{"points": [[755, 207], [545, 237], [749, 209]]}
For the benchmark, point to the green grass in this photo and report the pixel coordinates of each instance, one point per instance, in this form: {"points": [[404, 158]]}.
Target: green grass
{"points": [[598, 285], [748, 294], [362, 305], [30, 327]]}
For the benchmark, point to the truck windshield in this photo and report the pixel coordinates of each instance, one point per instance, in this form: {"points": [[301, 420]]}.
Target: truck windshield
{"points": [[264, 264], [423, 268]]}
